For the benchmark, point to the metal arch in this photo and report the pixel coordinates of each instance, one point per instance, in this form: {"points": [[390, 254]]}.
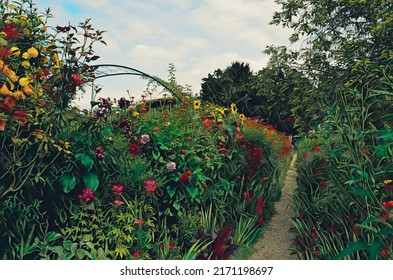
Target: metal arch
{"points": [[109, 70]]}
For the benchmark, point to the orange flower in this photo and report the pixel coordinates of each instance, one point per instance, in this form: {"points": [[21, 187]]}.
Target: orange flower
{"points": [[156, 128]]}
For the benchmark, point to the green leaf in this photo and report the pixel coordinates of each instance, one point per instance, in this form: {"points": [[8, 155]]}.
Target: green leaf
{"points": [[176, 205], [68, 182], [360, 245], [374, 249], [370, 220], [56, 249], [363, 174], [192, 191], [80, 253], [91, 181], [67, 245], [385, 232], [86, 161], [3, 42], [360, 192], [171, 191], [226, 184]]}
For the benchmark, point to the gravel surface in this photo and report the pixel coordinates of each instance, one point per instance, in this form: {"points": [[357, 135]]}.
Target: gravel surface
{"points": [[276, 240]]}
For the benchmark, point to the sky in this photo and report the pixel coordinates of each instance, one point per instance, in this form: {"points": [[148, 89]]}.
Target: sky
{"points": [[197, 36]]}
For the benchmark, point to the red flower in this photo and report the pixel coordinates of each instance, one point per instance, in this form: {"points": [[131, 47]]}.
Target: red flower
{"points": [[314, 234], [388, 204], [117, 189], [316, 149], [8, 103], [248, 197], [306, 156], [5, 53], [20, 116], [384, 216], [171, 245], [185, 178], [385, 252], [76, 79], [137, 254], [133, 149], [150, 186], [11, 31], [260, 205], [87, 196], [2, 125], [323, 185], [260, 220], [256, 155]]}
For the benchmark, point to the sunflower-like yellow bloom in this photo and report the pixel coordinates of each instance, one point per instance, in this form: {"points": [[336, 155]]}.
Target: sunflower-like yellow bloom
{"points": [[15, 51], [233, 108], [31, 53], [197, 104]]}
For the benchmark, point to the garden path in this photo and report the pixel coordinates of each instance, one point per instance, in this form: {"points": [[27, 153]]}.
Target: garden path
{"points": [[276, 240]]}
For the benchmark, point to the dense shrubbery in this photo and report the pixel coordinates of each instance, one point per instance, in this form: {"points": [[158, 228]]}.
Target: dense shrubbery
{"points": [[344, 198], [188, 180]]}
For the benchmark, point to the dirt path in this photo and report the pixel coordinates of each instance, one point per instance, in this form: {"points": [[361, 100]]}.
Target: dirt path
{"points": [[276, 240]]}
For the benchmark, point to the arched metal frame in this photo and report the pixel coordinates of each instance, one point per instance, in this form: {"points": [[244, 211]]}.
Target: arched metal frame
{"points": [[109, 70]]}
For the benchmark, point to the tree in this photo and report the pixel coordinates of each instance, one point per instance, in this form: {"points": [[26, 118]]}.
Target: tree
{"points": [[347, 44], [229, 86]]}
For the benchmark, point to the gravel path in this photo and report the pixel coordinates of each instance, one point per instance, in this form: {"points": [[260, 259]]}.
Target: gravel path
{"points": [[276, 240]]}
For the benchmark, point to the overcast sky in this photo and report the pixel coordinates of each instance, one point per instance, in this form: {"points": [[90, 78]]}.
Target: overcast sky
{"points": [[197, 36]]}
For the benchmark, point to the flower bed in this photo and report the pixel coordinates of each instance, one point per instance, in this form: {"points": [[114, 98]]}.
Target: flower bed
{"points": [[188, 180]]}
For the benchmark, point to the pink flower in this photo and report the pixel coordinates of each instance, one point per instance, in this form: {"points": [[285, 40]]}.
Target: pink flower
{"points": [[118, 202], [144, 139], [138, 222], [86, 196], [171, 166], [150, 186], [100, 153], [117, 189]]}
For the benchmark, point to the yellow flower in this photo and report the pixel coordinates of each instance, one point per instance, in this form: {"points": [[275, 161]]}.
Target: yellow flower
{"points": [[242, 117], [10, 74], [19, 95], [26, 31], [233, 108], [24, 81], [15, 51], [387, 182], [57, 61], [5, 91], [26, 64], [28, 90], [197, 104], [220, 110], [135, 114], [31, 53]]}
